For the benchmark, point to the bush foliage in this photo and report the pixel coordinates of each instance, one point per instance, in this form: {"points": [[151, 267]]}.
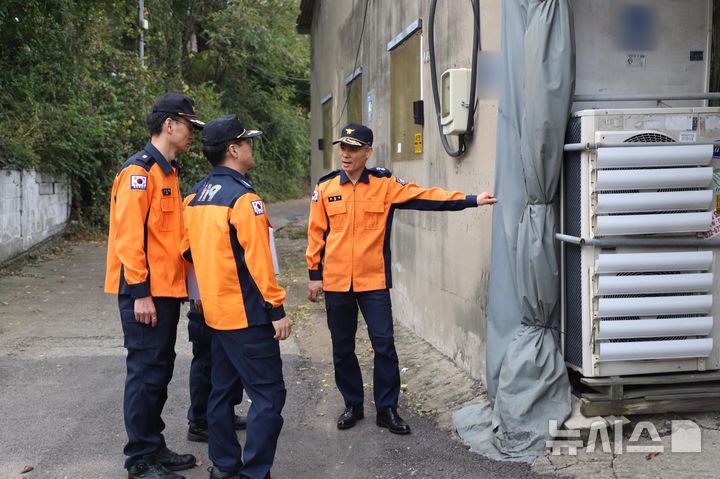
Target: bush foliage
{"points": [[74, 96]]}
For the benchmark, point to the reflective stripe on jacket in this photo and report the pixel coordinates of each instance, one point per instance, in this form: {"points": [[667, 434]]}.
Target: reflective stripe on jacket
{"points": [[146, 227], [349, 226]]}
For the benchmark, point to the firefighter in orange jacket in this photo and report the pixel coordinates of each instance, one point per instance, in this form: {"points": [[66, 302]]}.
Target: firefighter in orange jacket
{"points": [[228, 242], [348, 257], [146, 270]]}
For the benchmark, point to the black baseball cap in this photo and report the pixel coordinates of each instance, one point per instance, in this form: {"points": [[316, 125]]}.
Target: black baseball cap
{"points": [[355, 135], [226, 128], [180, 105]]}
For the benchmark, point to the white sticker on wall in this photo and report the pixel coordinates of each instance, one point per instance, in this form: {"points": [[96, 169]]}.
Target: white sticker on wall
{"points": [[399, 147], [688, 137]]}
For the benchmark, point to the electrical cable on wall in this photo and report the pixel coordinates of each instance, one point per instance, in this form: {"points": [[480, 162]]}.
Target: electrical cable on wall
{"points": [[467, 136]]}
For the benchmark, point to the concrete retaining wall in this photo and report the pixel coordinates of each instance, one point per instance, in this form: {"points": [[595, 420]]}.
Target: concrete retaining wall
{"points": [[33, 207]]}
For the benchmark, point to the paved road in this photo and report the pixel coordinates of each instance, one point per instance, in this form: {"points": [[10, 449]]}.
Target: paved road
{"points": [[62, 372]]}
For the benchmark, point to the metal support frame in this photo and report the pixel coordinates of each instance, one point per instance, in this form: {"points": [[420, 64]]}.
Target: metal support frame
{"points": [[656, 97]]}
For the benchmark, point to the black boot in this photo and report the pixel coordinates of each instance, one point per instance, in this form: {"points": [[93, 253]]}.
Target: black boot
{"points": [[350, 416], [173, 461], [390, 419], [216, 473], [148, 469], [198, 431]]}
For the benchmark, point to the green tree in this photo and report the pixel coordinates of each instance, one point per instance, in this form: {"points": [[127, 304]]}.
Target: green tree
{"points": [[73, 96]]}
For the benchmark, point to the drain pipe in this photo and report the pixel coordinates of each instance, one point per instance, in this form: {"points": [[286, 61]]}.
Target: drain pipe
{"points": [[595, 146], [639, 242]]}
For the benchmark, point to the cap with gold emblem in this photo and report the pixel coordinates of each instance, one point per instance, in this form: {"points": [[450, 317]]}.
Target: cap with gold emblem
{"points": [[180, 105], [355, 135]]}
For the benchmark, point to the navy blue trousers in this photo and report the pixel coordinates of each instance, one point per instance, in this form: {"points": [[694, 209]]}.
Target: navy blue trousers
{"points": [[200, 367], [245, 359], [342, 319], [200, 336], [150, 361]]}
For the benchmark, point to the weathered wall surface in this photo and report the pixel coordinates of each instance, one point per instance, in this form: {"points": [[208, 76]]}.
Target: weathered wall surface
{"points": [[33, 207]]}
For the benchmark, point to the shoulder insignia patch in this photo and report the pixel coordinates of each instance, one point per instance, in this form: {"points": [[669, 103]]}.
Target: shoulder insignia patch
{"points": [[329, 176], [258, 207], [143, 157], [380, 172], [400, 180], [315, 196], [138, 182]]}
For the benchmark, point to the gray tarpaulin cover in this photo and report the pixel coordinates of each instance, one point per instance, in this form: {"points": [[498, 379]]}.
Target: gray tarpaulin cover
{"points": [[526, 376]]}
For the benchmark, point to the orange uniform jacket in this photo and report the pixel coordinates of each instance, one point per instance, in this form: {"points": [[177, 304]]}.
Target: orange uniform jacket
{"points": [[146, 227], [228, 241], [349, 227]]}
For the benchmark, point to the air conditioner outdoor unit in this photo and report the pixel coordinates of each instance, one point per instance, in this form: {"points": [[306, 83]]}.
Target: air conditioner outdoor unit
{"points": [[633, 308]]}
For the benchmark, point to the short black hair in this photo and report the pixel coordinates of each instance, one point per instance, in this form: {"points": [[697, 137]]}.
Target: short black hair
{"points": [[215, 154], [156, 119]]}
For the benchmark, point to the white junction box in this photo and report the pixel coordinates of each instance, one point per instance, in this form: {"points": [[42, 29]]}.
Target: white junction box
{"points": [[641, 309], [455, 100]]}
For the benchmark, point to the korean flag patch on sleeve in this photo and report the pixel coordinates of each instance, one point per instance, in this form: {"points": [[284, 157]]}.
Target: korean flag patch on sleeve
{"points": [[315, 196], [138, 182], [258, 207]]}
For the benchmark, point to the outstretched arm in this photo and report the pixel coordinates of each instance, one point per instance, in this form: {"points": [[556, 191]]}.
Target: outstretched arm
{"points": [[411, 196]]}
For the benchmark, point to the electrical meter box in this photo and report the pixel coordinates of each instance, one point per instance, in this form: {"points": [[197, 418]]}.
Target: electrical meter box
{"points": [[454, 101]]}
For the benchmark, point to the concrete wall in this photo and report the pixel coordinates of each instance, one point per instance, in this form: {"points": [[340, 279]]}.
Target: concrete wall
{"points": [[33, 207], [440, 260]]}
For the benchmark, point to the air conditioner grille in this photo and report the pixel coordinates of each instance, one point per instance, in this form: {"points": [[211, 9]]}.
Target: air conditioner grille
{"points": [[649, 137]]}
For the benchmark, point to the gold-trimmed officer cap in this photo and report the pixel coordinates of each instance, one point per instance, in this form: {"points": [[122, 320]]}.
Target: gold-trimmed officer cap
{"points": [[180, 105], [355, 135]]}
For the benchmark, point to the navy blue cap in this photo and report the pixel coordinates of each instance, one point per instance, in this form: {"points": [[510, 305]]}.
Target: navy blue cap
{"points": [[226, 128], [355, 135], [180, 105]]}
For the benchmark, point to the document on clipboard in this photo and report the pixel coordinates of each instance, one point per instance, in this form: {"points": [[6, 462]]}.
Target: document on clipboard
{"points": [[273, 252]]}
